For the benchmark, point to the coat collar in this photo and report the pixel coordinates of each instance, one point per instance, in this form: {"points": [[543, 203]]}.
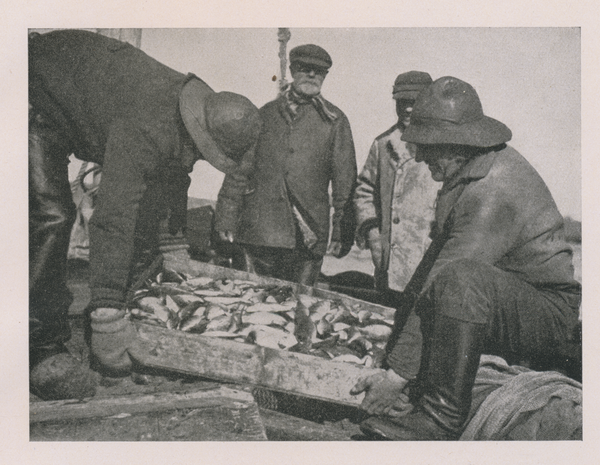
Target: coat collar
{"points": [[477, 168]]}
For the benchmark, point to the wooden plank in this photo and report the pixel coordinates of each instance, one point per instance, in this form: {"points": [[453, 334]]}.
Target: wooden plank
{"points": [[240, 363], [111, 406], [282, 427], [227, 416]]}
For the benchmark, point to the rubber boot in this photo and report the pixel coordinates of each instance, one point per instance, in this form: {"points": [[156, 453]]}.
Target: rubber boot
{"points": [[443, 408], [55, 374]]}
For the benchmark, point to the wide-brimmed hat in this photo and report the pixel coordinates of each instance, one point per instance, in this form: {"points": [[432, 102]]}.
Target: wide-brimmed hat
{"points": [[449, 112], [223, 125], [312, 55], [409, 85]]}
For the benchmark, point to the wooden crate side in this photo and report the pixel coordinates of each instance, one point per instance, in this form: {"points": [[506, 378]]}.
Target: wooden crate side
{"points": [[110, 406], [236, 362], [222, 414]]}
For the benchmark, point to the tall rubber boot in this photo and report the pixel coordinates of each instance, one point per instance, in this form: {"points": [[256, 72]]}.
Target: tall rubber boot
{"points": [[443, 408]]}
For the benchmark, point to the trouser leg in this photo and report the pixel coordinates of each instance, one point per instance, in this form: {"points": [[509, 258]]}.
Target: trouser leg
{"points": [[472, 308], [51, 217], [293, 265]]}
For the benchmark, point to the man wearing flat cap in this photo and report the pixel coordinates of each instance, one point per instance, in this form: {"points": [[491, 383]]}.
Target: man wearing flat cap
{"points": [[496, 279], [395, 196], [304, 147], [107, 102]]}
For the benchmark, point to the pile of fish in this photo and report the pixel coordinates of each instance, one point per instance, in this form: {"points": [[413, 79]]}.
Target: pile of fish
{"points": [[270, 316]]}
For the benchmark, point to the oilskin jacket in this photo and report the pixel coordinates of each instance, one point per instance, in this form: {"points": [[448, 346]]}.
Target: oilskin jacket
{"points": [[119, 108], [498, 211], [396, 195], [295, 161]]}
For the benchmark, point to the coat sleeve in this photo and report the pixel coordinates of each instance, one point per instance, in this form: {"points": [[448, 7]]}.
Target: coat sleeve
{"points": [[481, 227], [230, 200], [343, 183], [129, 156], [366, 197]]}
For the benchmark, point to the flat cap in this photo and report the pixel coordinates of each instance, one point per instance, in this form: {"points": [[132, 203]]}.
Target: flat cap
{"points": [[310, 54], [408, 85]]}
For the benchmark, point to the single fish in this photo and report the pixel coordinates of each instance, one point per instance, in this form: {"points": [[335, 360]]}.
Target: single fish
{"points": [[324, 328], [214, 311], [264, 318], [154, 305], [268, 307], [191, 309], [200, 281], [186, 299], [224, 300], [221, 323], [376, 332], [267, 336], [319, 309], [171, 304], [305, 329], [195, 324]]}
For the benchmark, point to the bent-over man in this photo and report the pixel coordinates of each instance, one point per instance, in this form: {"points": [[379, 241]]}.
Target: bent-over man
{"points": [[107, 102]]}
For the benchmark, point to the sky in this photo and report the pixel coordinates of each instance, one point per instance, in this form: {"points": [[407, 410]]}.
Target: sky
{"points": [[528, 78]]}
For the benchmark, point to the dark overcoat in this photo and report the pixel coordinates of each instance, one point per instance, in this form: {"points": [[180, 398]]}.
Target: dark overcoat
{"points": [[297, 159], [118, 107]]}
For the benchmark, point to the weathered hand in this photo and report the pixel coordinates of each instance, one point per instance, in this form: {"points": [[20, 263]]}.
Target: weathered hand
{"points": [[384, 393], [374, 242], [335, 248], [226, 236]]}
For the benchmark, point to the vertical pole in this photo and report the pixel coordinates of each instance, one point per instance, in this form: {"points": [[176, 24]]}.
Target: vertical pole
{"points": [[283, 35]]}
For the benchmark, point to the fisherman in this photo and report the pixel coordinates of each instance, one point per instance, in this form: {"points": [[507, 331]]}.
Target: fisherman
{"points": [[305, 144], [395, 196], [497, 278], [107, 102]]}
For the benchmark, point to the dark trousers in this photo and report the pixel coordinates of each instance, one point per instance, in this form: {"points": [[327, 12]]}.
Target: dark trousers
{"points": [[297, 265], [51, 217], [524, 323]]}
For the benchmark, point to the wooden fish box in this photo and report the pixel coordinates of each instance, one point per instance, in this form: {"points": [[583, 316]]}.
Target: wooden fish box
{"points": [[230, 361], [218, 414]]}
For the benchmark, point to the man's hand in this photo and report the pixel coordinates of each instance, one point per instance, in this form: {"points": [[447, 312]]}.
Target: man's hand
{"points": [[335, 249], [384, 394], [374, 243], [226, 236]]}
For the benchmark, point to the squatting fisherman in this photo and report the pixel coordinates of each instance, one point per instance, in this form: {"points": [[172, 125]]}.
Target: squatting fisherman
{"points": [[497, 278], [305, 146], [107, 102]]}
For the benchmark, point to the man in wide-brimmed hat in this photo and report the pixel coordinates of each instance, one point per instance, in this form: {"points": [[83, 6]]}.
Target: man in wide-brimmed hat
{"points": [[305, 147], [497, 278], [395, 196], [107, 102]]}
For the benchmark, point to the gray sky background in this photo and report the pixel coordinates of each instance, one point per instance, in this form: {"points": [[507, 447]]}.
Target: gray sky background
{"points": [[528, 78]]}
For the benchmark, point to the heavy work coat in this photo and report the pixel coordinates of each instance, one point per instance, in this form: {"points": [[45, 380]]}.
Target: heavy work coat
{"points": [[298, 159], [119, 108], [497, 211], [396, 195]]}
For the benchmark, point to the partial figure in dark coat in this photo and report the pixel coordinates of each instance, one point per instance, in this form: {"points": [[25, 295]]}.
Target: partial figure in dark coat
{"points": [[305, 146], [107, 102], [395, 196], [496, 279]]}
